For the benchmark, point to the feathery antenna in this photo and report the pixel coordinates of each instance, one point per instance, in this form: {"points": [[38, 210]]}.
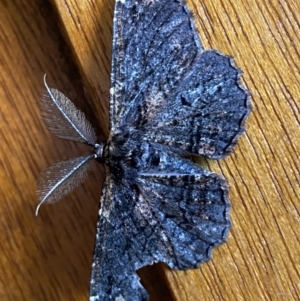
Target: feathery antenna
{"points": [[63, 119], [61, 178]]}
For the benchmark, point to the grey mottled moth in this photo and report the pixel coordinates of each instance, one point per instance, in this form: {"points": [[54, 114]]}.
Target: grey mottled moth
{"points": [[169, 99]]}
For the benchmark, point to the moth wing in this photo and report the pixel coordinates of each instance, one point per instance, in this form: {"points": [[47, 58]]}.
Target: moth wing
{"points": [[164, 84], [113, 271], [154, 44], [206, 113], [176, 213]]}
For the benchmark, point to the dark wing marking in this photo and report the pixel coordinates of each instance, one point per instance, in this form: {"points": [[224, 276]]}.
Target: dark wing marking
{"points": [[63, 119], [175, 213], [206, 113], [154, 43]]}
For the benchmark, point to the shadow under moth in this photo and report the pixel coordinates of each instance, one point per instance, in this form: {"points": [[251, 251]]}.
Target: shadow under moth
{"points": [[169, 99]]}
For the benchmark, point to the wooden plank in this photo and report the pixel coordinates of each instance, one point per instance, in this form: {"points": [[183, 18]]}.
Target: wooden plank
{"points": [[49, 257]]}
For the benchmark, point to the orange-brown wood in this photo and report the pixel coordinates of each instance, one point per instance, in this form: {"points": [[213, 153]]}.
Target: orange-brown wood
{"points": [[49, 257]]}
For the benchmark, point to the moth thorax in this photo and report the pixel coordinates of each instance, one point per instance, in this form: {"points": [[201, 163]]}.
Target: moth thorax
{"points": [[98, 149]]}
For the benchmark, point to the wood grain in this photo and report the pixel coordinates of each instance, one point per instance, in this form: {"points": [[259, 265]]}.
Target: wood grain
{"points": [[49, 257]]}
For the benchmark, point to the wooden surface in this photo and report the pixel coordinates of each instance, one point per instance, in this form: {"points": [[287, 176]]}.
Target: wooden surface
{"points": [[49, 257]]}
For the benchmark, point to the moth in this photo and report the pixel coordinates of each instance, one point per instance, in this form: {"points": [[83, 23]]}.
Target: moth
{"points": [[169, 99]]}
